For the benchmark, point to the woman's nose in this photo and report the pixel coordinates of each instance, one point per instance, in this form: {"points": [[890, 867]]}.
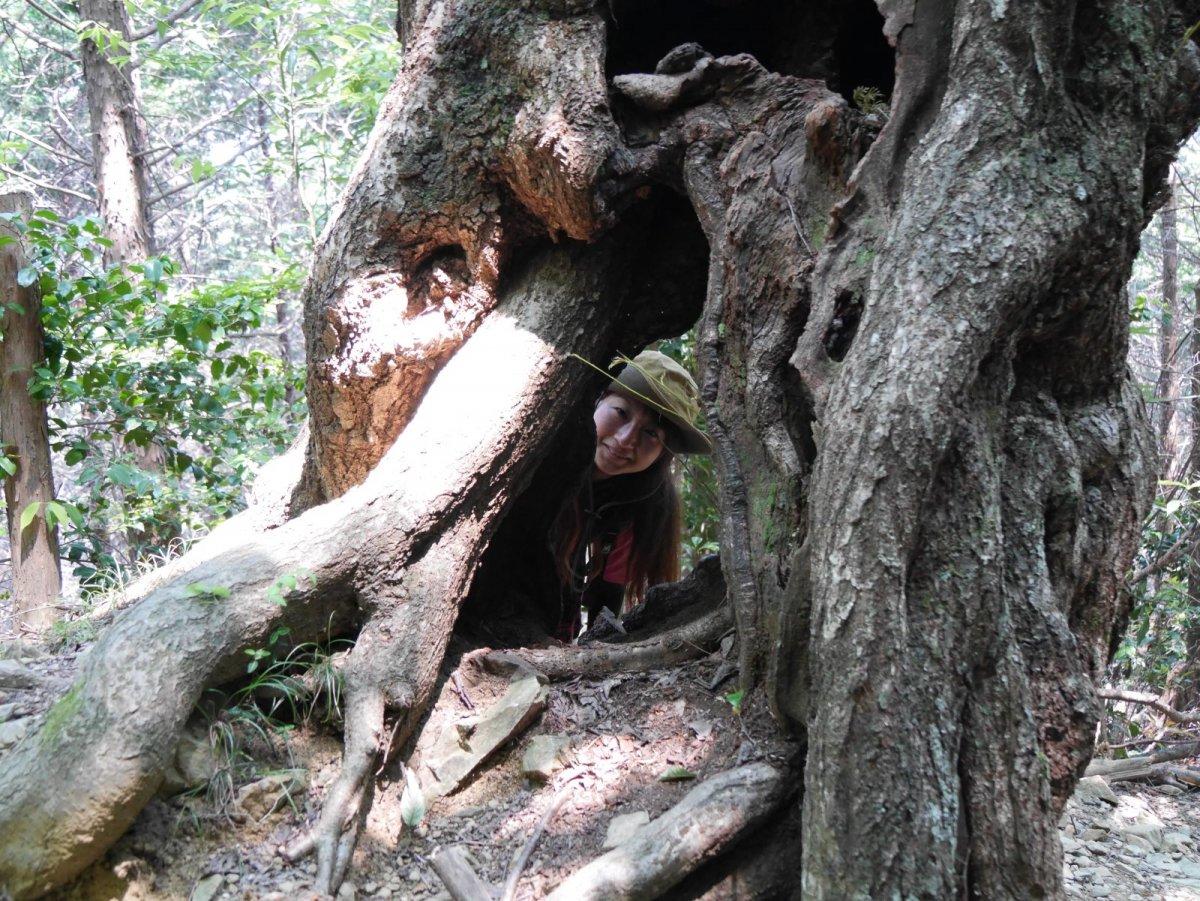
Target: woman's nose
{"points": [[627, 435]]}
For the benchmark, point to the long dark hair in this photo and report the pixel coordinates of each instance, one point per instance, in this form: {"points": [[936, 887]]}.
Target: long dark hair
{"points": [[648, 501]]}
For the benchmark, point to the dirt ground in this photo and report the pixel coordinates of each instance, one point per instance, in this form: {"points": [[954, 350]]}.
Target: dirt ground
{"points": [[625, 733]]}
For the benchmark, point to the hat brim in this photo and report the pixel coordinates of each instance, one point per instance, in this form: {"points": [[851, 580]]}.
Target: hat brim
{"points": [[690, 439]]}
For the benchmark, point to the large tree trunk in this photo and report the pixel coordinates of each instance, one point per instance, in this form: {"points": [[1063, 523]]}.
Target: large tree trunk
{"points": [[25, 436], [932, 461]]}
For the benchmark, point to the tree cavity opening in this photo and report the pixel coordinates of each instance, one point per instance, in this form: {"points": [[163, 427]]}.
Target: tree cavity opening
{"points": [[838, 42], [514, 599]]}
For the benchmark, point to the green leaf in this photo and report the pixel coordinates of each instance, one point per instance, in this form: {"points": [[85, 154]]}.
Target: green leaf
{"points": [[676, 774], [28, 515], [412, 800], [56, 514], [735, 699], [9, 465], [74, 455]]}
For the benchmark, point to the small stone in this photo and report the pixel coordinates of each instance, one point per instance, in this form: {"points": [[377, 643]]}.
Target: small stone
{"points": [[1097, 848], [623, 827], [1151, 832], [17, 675], [12, 732], [1189, 869], [7, 712], [414, 874], [1171, 790], [1101, 891], [383, 892], [1138, 845], [206, 889], [1175, 841], [544, 756], [233, 877], [270, 794], [347, 892], [1069, 844], [1094, 834], [1095, 788], [370, 888]]}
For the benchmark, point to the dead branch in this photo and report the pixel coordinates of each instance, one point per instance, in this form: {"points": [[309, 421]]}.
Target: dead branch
{"points": [[522, 859], [452, 863], [710, 818], [1152, 701], [1188, 539], [694, 639], [1110, 768]]}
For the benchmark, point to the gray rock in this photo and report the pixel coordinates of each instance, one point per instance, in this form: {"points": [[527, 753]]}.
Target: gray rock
{"points": [[1094, 834], [266, 796], [1150, 832], [1069, 844], [347, 892], [544, 756], [468, 743], [1092, 788], [623, 827], [17, 675], [7, 712], [1101, 891], [195, 762], [206, 889], [1138, 845], [1189, 869], [12, 732], [1097, 848]]}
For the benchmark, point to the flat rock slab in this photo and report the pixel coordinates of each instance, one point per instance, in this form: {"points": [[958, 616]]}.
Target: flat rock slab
{"points": [[18, 675], [464, 745]]}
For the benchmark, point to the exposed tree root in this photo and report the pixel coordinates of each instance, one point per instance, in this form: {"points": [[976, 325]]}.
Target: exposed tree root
{"points": [[709, 819], [696, 639]]}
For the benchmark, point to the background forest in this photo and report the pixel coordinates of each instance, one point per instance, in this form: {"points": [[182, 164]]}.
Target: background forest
{"points": [[174, 359]]}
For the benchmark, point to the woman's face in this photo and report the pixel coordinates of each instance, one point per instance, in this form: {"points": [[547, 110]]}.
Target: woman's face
{"points": [[628, 436]]}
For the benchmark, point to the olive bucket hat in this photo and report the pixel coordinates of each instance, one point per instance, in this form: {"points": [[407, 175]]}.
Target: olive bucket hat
{"points": [[659, 382]]}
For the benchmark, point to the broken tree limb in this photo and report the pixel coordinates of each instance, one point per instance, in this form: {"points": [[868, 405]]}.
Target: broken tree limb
{"points": [[452, 863], [1152, 701], [709, 819], [1141, 761], [696, 639]]}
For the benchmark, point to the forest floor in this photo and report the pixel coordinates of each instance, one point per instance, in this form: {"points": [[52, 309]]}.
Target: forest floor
{"points": [[622, 735]]}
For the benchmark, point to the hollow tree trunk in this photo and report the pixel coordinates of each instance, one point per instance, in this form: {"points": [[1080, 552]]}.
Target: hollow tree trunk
{"points": [[25, 436], [932, 460]]}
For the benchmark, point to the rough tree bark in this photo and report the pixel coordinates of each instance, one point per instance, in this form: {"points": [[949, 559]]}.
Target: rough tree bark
{"points": [[118, 134], [25, 436], [1166, 389], [933, 463]]}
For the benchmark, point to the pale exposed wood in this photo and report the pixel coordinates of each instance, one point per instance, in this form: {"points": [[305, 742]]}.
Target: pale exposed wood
{"points": [[24, 434], [1142, 761], [711, 817]]}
